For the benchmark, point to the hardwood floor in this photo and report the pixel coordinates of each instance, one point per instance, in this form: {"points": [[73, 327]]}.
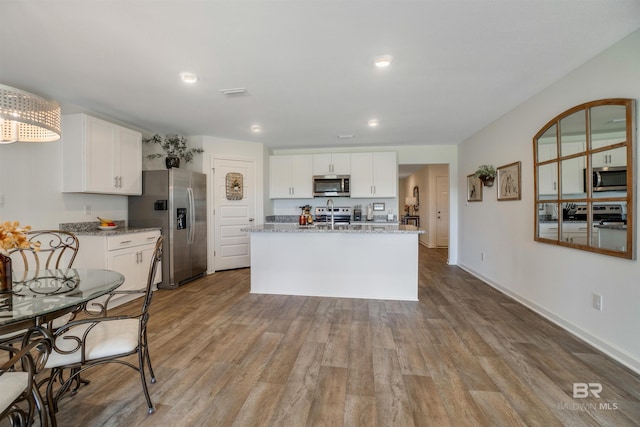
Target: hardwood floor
{"points": [[463, 355]]}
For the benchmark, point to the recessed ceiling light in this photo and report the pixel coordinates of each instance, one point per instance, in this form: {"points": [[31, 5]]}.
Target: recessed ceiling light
{"points": [[382, 61], [188, 77], [373, 123], [345, 136], [256, 128]]}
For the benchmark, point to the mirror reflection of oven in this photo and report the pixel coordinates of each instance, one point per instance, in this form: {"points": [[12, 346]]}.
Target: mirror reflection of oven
{"points": [[602, 213]]}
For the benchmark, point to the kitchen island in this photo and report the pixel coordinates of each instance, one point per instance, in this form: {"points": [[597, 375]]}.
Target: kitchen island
{"points": [[374, 261]]}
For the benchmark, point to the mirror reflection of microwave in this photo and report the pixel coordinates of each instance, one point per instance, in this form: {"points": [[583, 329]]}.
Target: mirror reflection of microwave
{"points": [[331, 186], [612, 178]]}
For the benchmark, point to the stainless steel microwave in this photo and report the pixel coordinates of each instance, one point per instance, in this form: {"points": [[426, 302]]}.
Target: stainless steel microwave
{"points": [[331, 186], [612, 178]]}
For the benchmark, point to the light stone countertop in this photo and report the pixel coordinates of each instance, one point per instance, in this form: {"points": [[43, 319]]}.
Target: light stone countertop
{"points": [[338, 228], [91, 229]]}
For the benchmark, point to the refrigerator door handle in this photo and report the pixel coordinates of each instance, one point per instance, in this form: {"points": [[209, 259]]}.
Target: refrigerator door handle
{"points": [[192, 216]]}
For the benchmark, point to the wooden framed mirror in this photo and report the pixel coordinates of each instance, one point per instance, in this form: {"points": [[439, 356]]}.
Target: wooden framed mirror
{"points": [[584, 170]]}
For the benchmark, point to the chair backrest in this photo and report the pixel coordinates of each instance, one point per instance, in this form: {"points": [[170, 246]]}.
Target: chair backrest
{"points": [[50, 249], [153, 267]]}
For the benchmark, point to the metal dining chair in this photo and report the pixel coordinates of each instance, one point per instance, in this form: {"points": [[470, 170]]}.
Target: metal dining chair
{"points": [[82, 344], [17, 384], [48, 249]]}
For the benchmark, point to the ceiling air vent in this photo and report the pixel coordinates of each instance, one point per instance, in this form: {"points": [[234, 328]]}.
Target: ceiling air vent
{"points": [[239, 91]]}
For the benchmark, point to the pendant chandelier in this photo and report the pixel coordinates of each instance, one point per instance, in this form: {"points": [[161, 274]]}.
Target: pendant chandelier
{"points": [[25, 117]]}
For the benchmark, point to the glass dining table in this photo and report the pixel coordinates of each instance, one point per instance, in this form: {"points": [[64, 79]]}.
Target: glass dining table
{"points": [[37, 297]]}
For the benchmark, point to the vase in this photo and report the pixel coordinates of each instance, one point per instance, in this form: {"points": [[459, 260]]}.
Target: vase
{"points": [[6, 279], [487, 180], [172, 162]]}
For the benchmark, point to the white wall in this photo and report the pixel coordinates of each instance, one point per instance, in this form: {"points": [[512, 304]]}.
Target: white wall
{"points": [[557, 282], [31, 184]]}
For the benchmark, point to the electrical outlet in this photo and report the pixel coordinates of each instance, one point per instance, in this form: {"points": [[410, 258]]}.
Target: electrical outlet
{"points": [[597, 302], [87, 209], [481, 256]]}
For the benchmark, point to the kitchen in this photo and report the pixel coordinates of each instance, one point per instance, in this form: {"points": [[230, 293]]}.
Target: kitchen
{"points": [[555, 281], [346, 254]]}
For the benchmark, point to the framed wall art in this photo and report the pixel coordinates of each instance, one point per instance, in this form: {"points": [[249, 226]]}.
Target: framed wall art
{"points": [[474, 188], [509, 185], [234, 186]]}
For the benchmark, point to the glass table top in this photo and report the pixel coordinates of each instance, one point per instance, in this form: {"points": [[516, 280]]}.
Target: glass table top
{"points": [[43, 292]]}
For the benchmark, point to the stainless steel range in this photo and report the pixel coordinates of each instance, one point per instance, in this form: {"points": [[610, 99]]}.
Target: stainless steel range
{"points": [[340, 214], [603, 213]]}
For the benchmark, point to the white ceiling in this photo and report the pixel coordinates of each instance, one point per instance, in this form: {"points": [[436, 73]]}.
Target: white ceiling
{"points": [[307, 64]]}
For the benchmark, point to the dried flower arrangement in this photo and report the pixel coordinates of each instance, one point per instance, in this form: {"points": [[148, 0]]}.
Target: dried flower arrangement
{"points": [[14, 236]]}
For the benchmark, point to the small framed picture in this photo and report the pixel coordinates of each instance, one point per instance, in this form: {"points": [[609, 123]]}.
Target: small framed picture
{"points": [[508, 179], [378, 206], [474, 188]]}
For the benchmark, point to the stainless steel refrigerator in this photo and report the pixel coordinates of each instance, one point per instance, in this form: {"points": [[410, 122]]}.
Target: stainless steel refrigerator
{"points": [[175, 200]]}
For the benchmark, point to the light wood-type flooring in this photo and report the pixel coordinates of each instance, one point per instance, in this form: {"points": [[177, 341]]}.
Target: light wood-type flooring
{"points": [[465, 354]]}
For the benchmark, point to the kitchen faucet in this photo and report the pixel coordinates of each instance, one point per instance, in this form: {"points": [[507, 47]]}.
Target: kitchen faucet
{"points": [[330, 207]]}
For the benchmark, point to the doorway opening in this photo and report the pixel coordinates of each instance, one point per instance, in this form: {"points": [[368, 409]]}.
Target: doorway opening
{"points": [[424, 193]]}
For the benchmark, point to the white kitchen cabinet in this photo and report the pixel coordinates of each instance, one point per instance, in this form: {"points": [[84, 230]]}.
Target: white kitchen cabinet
{"points": [[100, 157], [574, 232], [332, 164], [548, 230], [548, 180], [615, 157], [374, 175], [127, 253], [291, 177], [573, 176]]}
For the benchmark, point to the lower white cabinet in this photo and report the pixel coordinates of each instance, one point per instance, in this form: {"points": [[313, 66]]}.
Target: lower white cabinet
{"points": [[574, 232], [127, 253]]}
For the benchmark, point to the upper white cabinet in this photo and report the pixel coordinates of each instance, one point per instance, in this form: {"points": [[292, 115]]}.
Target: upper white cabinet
{"points": [[374, 175], [332, 164], [613, 157], [291, 177], [100, 157]]}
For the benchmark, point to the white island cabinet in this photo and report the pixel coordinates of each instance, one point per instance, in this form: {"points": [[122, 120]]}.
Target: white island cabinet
{"points": [[100, 157], [358, 261], [126, 252]]}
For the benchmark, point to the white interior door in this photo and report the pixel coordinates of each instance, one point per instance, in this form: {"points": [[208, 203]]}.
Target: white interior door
{"points": [[231, 246], [442, 211]]}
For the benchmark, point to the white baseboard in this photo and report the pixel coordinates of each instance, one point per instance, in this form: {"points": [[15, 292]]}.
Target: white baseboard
{"points": [[610, 350]]}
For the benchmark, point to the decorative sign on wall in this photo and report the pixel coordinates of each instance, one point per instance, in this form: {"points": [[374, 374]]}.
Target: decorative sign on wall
{"points": [[234, 186]]}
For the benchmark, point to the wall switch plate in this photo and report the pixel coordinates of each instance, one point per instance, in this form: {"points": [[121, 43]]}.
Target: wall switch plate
{"points": [[597, 302], [481, 256]]}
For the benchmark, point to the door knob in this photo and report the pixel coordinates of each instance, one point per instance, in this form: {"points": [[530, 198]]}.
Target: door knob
{"points": [[250, 219]]}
